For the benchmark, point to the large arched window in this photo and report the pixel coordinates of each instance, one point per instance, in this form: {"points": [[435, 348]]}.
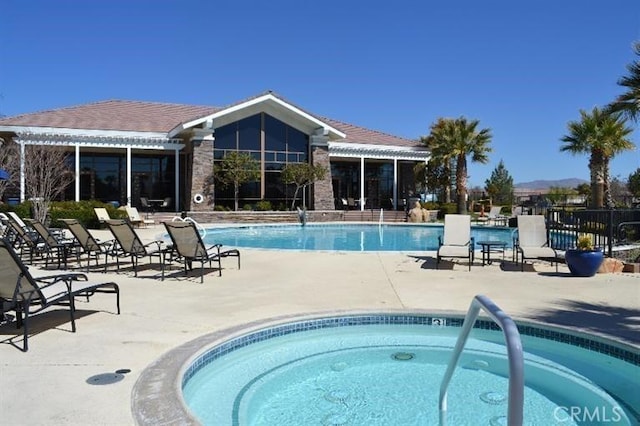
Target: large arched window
{"points": [[273, 144]]}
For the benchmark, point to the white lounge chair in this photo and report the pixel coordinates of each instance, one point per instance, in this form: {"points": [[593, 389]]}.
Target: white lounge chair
{"points": [[136, 219], [102, 214], [533, 240], [494, 216], [456, 241]]}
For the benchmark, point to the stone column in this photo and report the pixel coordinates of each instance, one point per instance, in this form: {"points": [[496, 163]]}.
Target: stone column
{"points": [[323, 198], [201, 175]]}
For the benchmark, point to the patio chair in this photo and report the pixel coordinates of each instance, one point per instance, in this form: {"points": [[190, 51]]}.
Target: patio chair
{"points": [[136, 219], [533, 241], [22, 238], [456, 241], [166, 203], [90, 245], [53, 245], [145, 206], [130, 244], [26, 292], [189, 247], [102, 214]]}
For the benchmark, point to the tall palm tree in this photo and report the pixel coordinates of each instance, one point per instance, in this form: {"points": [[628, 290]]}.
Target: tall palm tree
{"points": [[628, 103], [602, 135], [455, 139]]}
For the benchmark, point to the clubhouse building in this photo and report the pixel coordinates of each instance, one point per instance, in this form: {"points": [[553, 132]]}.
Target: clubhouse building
{"points": [[123, 151]]}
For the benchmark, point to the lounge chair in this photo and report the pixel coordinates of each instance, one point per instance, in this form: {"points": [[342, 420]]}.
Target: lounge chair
{"points": [[102, 214], [136, 219], [26, 291], [493, 217], [53, 245], [93, 247], [456, 241], [166, 203], [533, 240], [188, 247], [23, 238], [130, 244]]}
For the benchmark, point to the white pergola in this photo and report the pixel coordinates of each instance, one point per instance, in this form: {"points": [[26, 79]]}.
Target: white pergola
{"points": [[97, 139]]}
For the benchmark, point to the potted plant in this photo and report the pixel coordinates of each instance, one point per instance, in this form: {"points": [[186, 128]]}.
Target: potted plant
{"points": [[584, 260]]}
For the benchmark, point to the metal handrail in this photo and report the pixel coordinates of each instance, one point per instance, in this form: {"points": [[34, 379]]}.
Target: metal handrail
{"points": [[514, 355], [200, 228]]}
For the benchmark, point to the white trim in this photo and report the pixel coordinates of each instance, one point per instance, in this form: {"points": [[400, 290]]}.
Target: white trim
{"points": [[129, 176], [82, 132], [261, 99], [176, 176], [356, 150], [98, 141], [22, 181], [362, 184], [77, 173]]}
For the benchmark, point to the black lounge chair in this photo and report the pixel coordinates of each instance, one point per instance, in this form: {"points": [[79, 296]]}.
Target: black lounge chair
{"points": [[188, 247], [91, 246], [24, 239], [130, 244], [53, 245], [28, 291]]}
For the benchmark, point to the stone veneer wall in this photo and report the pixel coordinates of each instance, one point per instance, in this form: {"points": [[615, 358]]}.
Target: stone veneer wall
{"points": [[288, 217], [323, 198], [202, 168]]}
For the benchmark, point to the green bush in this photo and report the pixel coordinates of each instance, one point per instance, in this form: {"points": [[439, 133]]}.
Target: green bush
{"points": [[247, 207], [81, 210], [447, 208], [430, 205], [263, 206]]}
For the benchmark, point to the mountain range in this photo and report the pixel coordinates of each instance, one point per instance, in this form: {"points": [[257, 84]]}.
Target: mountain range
{"points": [[546, 184]]}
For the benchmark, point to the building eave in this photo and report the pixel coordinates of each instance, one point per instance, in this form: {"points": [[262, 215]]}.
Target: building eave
{"points": [[268, 103], [133, 140], [358, 150], [82, 132]]}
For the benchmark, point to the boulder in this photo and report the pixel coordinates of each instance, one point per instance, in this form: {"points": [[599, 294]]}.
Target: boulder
{"points": [[610, 265]]}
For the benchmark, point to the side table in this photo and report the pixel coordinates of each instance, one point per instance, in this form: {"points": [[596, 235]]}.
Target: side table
{"points": [[489, 247]]}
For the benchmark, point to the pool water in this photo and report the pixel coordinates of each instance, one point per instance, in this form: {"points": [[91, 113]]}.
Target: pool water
{"points": [[352, 237], [391, 374]]}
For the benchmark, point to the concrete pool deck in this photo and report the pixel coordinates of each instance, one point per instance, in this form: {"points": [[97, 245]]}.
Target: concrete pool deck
{"points": [[69, 378]]}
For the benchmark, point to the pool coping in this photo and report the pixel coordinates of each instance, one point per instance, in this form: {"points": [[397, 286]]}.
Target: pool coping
{"points": [[156, 398]]}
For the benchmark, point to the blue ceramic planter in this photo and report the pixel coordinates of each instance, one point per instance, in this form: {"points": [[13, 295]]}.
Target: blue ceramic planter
{"points": [[584, 263]]}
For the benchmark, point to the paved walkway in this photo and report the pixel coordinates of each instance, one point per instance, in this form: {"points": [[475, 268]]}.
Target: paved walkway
{"points": [[66, 378]]}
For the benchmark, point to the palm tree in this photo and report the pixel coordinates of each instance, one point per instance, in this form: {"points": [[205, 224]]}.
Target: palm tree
{"points": [[602, 135], [628, 103], [454, 140]]}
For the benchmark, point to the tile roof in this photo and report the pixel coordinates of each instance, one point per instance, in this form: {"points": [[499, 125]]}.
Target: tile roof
{"points": [[113, 115], [163, 117], [356, 134]]}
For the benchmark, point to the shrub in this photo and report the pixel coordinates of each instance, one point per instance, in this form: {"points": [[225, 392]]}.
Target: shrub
{"points": [[80, 210], [447, 208], [263, 205]]}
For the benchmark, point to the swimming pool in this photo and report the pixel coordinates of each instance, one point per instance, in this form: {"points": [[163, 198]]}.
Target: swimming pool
{"points": [[327, 370], [346, 237]]}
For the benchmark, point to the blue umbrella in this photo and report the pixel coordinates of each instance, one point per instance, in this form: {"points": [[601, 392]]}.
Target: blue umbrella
{"points": [[4, 175]]}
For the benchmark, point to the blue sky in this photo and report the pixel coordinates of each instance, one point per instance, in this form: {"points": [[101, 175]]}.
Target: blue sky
{"points": [[523, 68]]}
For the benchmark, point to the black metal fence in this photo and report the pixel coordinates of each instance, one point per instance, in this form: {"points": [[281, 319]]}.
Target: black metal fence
{"points": [[608, 228]]}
